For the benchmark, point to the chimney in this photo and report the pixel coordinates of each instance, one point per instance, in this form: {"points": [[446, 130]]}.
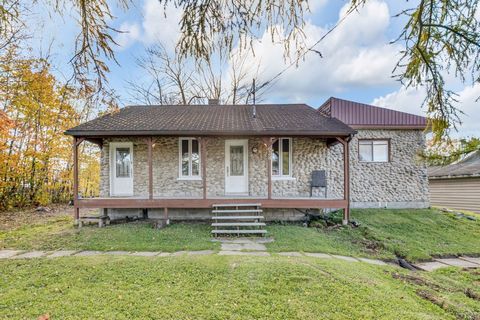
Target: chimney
{"points": [[213, 101]]}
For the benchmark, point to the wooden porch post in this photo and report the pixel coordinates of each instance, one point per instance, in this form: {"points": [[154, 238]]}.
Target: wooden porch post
{"points": [[346, 179], [268, 143], [269, 173], [203, 162], [150, 168], [76, 209]]}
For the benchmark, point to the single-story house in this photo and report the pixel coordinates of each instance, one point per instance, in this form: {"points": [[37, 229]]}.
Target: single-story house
{"points": [[177, 161], [457, 186]]}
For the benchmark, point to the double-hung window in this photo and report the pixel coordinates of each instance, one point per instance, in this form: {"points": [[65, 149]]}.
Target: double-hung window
{"points": [[282, 158], [374, 150], [189, 150]]}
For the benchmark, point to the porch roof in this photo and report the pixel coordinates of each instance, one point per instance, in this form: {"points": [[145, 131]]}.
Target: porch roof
{"points": [[211, 120]]}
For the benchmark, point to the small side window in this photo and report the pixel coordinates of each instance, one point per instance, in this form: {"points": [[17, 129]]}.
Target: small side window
{"points": [[373, 150]]}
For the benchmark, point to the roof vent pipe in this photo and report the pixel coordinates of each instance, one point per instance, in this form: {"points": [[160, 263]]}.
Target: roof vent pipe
{"points": [[213, 102], [254, 106]]}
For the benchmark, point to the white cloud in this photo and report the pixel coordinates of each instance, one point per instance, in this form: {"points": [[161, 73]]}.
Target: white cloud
{"points": [[469, 104], [410, 100], [130, 32], [355, 55], [406, 100], [159, 25], [316, 5]]}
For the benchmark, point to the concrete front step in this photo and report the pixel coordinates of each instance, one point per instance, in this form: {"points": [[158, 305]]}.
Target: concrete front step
{"points": [[238, 211], [226, 205], [239, 231], [238, 224], [238, 218], [233, 216]]}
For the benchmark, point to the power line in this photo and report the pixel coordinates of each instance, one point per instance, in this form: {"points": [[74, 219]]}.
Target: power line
{"points": [[279, 74]]}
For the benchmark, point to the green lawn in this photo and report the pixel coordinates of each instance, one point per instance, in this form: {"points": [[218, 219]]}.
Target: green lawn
{"points": [[413, 234], [242, 287], [59, 233], [229, 287]]}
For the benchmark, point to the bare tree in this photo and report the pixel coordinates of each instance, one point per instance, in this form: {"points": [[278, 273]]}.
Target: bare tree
{"points": [[173, 79], [438, 37]]}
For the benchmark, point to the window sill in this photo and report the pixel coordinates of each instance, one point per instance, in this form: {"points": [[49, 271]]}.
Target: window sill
{"points": [[374, 161], [283, 178], [189, 179]]}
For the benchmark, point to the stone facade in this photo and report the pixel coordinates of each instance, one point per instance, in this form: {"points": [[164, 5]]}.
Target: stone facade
{"points": [[402, 182], [308, 154]]}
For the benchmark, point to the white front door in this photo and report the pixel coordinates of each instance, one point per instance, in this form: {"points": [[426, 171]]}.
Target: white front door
{"points": [[121, 173], [236, 166]]}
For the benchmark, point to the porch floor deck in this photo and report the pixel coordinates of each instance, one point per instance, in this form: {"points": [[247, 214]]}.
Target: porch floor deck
{"points": [[198, 202]]}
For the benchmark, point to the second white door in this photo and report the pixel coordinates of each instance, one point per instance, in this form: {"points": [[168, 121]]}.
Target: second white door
{"points": [[236, 167], [121, 173]]}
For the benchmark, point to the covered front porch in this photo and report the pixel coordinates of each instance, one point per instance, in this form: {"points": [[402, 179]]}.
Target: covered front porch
{"points": [[158, 184]]}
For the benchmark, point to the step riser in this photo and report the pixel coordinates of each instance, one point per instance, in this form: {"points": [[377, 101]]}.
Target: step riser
{"points": [[239, 231], [239, 224], [238, 211], [236, 223], [238, 218], [228, 205]]}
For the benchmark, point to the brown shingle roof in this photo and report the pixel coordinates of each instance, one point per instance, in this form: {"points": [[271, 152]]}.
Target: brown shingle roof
{"points": [[291, 119], [364, 116], [468, 167]]}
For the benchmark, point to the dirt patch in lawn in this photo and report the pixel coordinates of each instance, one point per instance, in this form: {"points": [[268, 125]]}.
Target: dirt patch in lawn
{"points": [[13, 219], [415, 280], [457, 297]]}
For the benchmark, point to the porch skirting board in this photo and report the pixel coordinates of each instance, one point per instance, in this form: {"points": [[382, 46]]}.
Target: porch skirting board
{"points": [[179, 214], [201, 214], [390, 205]]}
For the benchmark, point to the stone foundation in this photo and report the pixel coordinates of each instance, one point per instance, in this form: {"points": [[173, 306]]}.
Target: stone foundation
{"points": [[201, 214]]}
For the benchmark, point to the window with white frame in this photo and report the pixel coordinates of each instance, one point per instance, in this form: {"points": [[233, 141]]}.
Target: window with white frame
{"points": [[282, 158], [189, 150], [374, 150]]}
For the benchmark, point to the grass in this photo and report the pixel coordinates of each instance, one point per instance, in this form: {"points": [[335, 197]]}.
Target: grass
{"points": [[222, 287], [412, 234], [242, 287], [343, 241], [59, 233]]}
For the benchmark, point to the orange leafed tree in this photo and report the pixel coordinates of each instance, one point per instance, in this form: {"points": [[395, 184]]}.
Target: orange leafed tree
{"points": [[35, 155]]}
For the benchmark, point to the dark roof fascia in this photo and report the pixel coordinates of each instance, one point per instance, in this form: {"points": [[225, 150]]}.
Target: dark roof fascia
{"points": [[113, 133], [325, 104], [393, 127], [459, 176]]}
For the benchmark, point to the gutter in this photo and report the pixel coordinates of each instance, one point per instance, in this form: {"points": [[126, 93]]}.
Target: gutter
{"points": [[473, 175], [110, 133]]}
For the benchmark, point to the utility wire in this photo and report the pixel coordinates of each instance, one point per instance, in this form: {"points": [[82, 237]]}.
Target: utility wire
{"points": [[279, 74]]}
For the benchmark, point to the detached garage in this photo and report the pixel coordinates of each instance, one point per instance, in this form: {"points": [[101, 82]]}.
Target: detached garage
{"points": [[456, 186]]}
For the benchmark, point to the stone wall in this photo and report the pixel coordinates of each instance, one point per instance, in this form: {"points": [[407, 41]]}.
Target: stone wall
{"points": [[402, 182], [308, 155]]}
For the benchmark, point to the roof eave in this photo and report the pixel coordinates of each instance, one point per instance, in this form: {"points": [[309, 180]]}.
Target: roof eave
{"points": [[392, 127], [455, 176], [110, 133]]}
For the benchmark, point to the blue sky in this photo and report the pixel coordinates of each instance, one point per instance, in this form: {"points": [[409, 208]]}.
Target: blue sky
{"points": [[357, 62]]}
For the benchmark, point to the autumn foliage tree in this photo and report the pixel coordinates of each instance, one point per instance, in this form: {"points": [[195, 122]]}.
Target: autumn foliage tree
{"points": [[35, 155]]}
